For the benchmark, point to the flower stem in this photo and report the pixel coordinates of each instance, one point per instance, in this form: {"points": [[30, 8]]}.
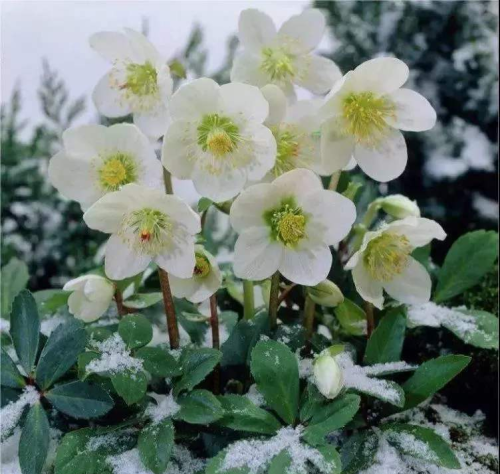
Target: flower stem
{"points": [[334, 181], [248, 300], [122, 310], [371, 213], [173, 330], [273, 300], [214, 323], [286, 292], [370, 321], [309, 310], [167, 179]]}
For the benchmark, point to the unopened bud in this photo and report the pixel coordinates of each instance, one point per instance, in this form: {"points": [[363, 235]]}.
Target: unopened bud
{"points": [[328, 375], [326, 293], [400, 206]]}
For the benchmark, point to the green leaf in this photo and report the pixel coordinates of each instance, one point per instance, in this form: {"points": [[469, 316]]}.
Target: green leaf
{"points": [[276, 373], [143, 300], [311, 402], [331, 417], [10, 375], [351, 317], [385, 390], [199, 407], [15, 277], [177, 69], [80, 400], [432, 376], [215, 464], [196, 365], [34, 441], [135, 330], [49, 301], [422, 443], [131, 386], [386, 342], [331, 458], [359, 452], [204, 203], [158, 362], [280, 463], [60, 352], [468, 260], [155, 445], [243, 415], [25, 329]]}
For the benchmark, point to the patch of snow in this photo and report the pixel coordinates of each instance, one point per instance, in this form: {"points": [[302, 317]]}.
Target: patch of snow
{"points": [[487, 208], [166, 407], [255, 396], [48, 325], [11, 413]]}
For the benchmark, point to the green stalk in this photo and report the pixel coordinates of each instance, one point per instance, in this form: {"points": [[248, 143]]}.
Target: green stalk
{"points": [[167, 179], [248, 300], [309, 310], [273, 300], [334, 181]]}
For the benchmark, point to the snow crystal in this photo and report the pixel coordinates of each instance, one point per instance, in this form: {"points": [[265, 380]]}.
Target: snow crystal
{"points": [[255, 396], [412, 445], [109, 441], [256, 454], [388, 367], [487, 208], [11, 413], [114, 357], [4, 325], [223, 336], [166, 407], [48, 325], [305, 368]]}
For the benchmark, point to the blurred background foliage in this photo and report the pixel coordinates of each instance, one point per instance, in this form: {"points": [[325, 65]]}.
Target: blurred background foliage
{"points": [[452, 53]]}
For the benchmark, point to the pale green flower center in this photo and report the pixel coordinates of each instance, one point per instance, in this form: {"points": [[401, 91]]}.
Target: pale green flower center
{"points": [[117, 170], [287, 151], [202, 267], [387, 256], [364, 116], [141, 79], [288, 223], [277, 64], [218, 135]]}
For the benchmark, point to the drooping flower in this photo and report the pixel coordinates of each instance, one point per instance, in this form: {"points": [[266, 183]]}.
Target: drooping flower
{"points": [[399, 206], [328, 375], [90, 298], [283, 57], [288, 225], [217, 137], [206, 278], [96, 160], [138, 83], [146, 225], [364, 114], [384, 262]]}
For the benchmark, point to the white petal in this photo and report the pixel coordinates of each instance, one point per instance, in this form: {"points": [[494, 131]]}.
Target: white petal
{"points": [[277, 104], [368, 288], [413, 111], [86, 141], [332, 212], [262, 150], [246, 69], [219, 187], [256, 256], [317, 74], [336, 150], [351, 165], [182, 287], [153, 123], [256, 29], [249, 207], [112, 46], [298, 183], [121, 261], [418, 230], [98, 288], [303, 31], [306, 266], [178, 144], [108, 99], [179, 260], [84, 309], [164, 81], [304, 113], [143, 49], [193, 100], [381, 75], [179, 211], [77, 283], [385, 162], [413, 286], [243, 101]]}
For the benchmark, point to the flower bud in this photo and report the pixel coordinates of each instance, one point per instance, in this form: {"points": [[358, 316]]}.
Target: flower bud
{"points": [[328, 375], [400, 206], [326, 293]]}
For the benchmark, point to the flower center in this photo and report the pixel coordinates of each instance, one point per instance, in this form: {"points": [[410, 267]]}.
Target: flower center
{"points": [[387, 256], [364, 114], [287, 151], [277, 64], [141, 79], [218, 135], [288, 223], [202, 266], [117, 170]]}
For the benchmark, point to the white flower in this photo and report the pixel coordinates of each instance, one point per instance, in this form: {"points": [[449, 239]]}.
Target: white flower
{"points": [[365, 111], [384, 262], [217, 138], [90, 298], [328, 375], [97, 160], [138, 83], [146, 225], [326, 293], [296, 130], [206, 278], [283, 57], [399, 206], [288, 225]]}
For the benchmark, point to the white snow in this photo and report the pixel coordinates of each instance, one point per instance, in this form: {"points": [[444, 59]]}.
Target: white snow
{"points": [[487, 208], [255, 396], [166, 407], [11, 413]]}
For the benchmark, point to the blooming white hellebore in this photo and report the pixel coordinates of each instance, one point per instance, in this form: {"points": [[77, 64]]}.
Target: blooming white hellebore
{"points": [[283, 57], [384, 262], [146, 225], [90, 298], [205, 280], [328, 375], [217, 137], [138, 83], [288, 225], [364, 113], [96, 160]]}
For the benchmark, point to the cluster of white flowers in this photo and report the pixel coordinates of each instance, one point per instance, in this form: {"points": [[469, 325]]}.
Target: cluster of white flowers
{"points": [[249, 141]]}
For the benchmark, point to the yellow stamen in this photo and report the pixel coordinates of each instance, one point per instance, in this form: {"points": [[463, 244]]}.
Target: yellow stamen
{"points": [[291, 228], [202, 266], [219, 143]]}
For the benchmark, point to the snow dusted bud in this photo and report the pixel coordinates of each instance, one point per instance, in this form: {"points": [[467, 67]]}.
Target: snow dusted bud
{"points": [[326, 293], [400, 206], [328, 375]]}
